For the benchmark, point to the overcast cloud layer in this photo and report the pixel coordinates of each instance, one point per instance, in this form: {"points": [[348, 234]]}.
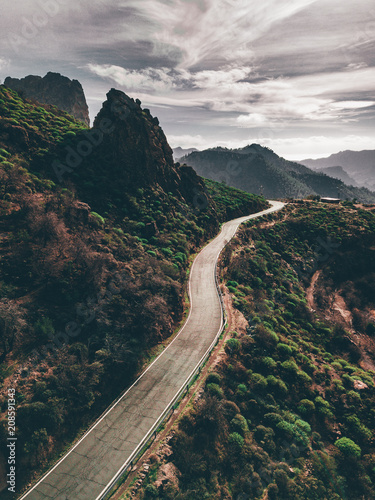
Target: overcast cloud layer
{"points": [[295, 75]]}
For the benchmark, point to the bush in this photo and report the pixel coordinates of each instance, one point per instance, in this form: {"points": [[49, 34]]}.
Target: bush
{"points": [[213, 378], [215, 390], [44, 329], [151, 491], [239, 425], [277, 386], [284, 350], [273, 492], [306, 407], [268, 364], [304, 426], [232, 346], [290, 368], [258, 382], [97, 219], [348, 448], [233, 284], [303, 378], [265, 337], [236, 440], [241, 390]]}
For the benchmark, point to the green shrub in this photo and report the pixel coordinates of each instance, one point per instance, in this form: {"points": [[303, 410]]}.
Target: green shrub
{"points": [[98, 220], [233, 284], [151, 491], [236, 440], [238, 424], [232, 346], [167, 251], [303, 378], [241, 390], [348, 448], [354, 397], [304, 426], [290, 368], [213, 378], [277, 386], [180, 257], [306, 407], [44, 329], [284, 350], [272, 419], [265, 337], [215, 390], [258, 382], [269, 364]]}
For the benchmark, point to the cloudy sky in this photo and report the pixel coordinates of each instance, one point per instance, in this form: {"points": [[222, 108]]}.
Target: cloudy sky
{"points": [[294, 75]]}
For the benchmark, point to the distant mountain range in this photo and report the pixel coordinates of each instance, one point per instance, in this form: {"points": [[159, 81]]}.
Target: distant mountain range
{"points": [[358, 165], [259, 170], [54, 89], [180, 152]]}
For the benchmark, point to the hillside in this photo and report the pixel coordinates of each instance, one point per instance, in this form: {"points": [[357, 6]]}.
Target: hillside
{"points": [[287, 411], [53, 89], [260, 170], [98, 228], [339, 173], [360, 165]]}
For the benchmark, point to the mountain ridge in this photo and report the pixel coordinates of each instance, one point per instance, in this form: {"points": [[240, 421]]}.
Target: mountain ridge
{"points": [[261, 170], [360, 165]]}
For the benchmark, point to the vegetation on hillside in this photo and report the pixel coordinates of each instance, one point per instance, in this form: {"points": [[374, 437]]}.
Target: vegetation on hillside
{"points": [[88, 283], [289, 413]]}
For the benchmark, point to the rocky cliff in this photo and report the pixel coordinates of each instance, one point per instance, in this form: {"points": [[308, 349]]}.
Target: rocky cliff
{"points": [[54, 89], [130, 152]]}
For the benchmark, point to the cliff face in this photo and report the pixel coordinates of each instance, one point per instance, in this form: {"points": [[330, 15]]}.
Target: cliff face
{"points": [[54, 89], [133, 152], [136, 143]]}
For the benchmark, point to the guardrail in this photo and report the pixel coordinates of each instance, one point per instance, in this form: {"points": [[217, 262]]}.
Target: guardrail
{"points": [[143, 445]]}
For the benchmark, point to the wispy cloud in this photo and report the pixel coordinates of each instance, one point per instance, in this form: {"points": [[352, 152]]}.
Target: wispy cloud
{"points": [[205, 31], [232, 90], [211, 68]]}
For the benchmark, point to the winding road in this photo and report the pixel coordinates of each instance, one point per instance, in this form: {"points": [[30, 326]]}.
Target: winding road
{"points": [[92, 464]]}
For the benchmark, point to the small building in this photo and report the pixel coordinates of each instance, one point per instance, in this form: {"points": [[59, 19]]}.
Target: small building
{"points": [[330, 200]]}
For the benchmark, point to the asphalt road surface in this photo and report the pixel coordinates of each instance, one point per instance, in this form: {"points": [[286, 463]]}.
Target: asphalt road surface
{"points": [[85, 471]]}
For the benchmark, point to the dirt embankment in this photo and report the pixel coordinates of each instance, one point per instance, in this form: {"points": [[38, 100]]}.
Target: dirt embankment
{"points": [[337, 312]]}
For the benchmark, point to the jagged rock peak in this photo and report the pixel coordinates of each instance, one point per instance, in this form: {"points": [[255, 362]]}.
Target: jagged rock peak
{"points": [[136, 141], [55, 89]]}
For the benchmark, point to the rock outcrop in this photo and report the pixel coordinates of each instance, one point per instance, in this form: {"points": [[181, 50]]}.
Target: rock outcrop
{"points": [[134, 150], [54, 89]]}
